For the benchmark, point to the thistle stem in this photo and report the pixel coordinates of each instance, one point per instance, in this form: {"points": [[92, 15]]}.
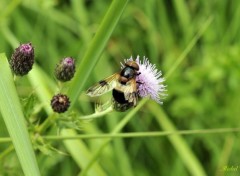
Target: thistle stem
{"points": [[48, 122], [96, 114], [135, 134]]}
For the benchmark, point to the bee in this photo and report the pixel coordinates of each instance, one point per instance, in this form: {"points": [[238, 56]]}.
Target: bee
{"points": [[123, 85]]}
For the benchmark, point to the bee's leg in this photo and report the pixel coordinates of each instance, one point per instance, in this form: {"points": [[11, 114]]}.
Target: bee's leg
{"points": [[135, 99], [139, 82]]}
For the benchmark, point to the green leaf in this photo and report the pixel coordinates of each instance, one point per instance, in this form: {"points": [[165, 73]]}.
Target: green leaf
{"points": [[28, 105], [14, 119]]}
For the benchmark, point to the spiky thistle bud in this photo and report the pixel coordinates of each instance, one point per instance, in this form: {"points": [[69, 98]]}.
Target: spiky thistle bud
{"points": [[22, 59], [60, 103], [65, 70]]}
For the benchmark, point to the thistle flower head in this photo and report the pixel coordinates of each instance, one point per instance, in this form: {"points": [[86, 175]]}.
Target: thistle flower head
{"points": [[65, 70], [22, 59], [150, 82], [60, 103]]}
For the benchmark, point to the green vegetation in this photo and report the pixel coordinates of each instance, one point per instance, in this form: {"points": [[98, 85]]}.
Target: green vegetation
{"points": [[194, 43]]}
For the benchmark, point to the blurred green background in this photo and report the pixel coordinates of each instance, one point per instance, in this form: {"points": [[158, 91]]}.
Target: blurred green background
{"points": [[203, 92]]}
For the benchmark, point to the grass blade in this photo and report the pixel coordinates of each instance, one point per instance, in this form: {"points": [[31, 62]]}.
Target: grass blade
{"points": [[189, 47], [81, 156], [95, 49], [13, 116], [188, 157]]}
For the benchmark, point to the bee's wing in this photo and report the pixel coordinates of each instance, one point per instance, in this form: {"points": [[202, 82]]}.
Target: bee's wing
{"points": [[129, 90], [103, 86]]}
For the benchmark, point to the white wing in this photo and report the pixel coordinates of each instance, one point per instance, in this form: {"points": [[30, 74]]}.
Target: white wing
{"points": [[103, 86]]}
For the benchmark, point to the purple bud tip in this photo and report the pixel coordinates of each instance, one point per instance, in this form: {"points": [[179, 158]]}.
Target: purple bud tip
{"points": [[22, 59], [26, 48], [68, 61], [65, 69]]}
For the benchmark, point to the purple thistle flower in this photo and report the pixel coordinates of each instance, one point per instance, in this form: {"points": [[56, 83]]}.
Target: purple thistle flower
{"points": [[60, 103], [65, 70], [22, 59], [149, 79]]}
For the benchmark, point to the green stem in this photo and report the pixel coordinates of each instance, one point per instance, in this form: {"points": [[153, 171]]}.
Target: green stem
{"points": [[52, 118], [96, 114], [47, 123], [144, 134], [5, 139], [7, 151], [136, 134]]}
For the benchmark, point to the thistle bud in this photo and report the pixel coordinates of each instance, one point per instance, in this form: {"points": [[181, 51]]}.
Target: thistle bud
{"points": [[60, 103], [65, 70], [22, 59]]}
